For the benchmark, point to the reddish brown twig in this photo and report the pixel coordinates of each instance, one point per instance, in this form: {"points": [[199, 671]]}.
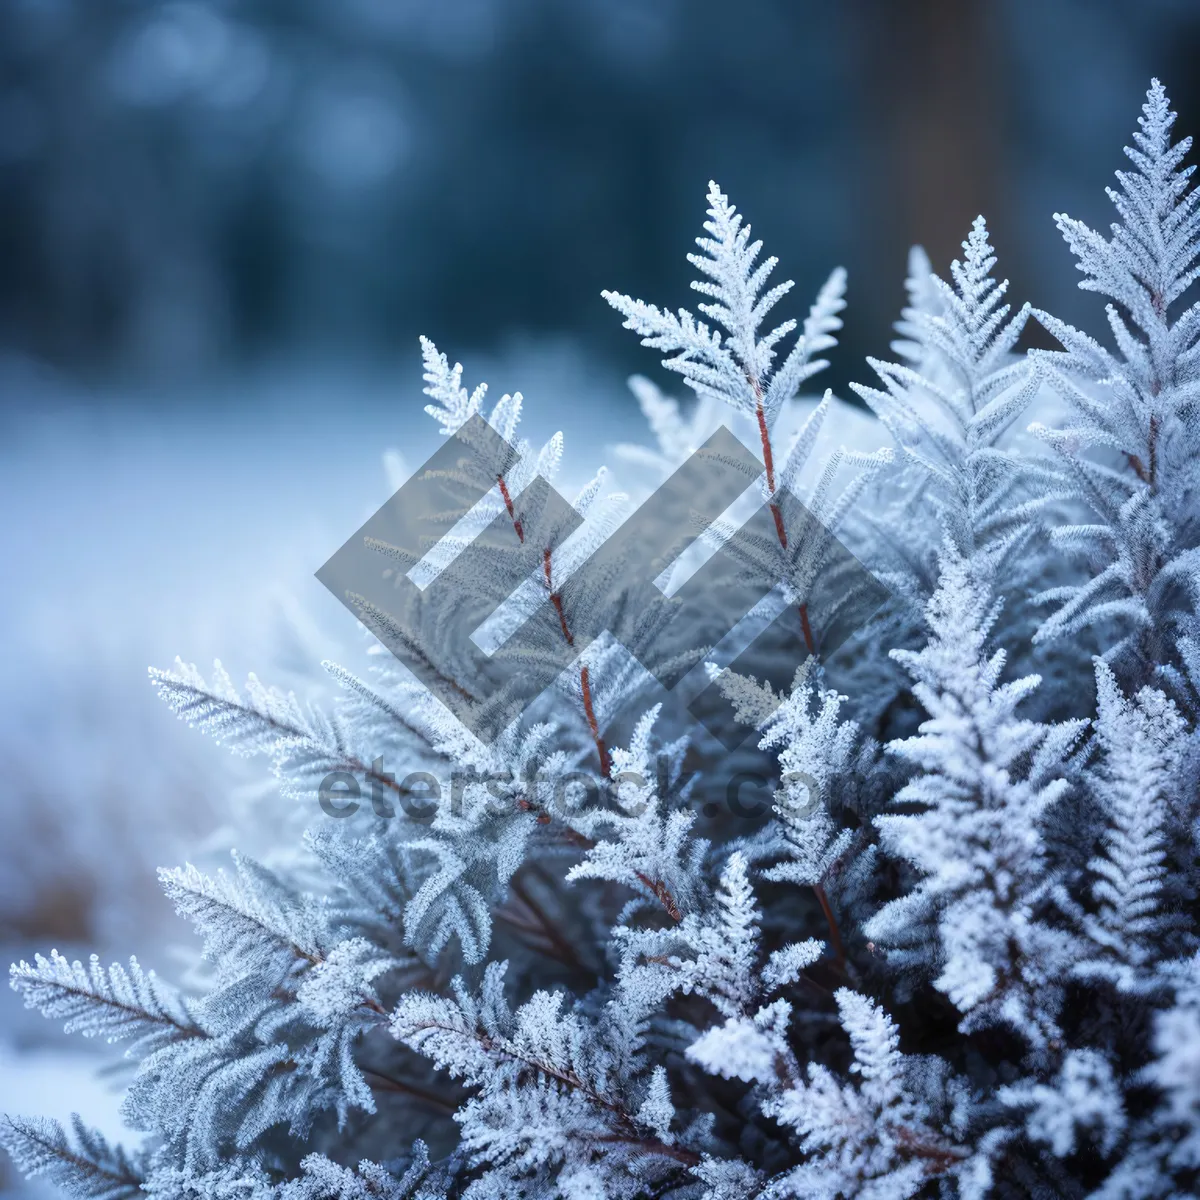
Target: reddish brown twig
{"points": [[835, 935], [585, 683], [555, 598], [810, 643], [379, 1082], [508, 504], [663, 895], [594, 725]]}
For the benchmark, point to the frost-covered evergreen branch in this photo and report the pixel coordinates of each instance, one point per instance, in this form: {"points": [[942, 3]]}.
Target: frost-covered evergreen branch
{"points": [[90, 1166], [985, 782], [1130, 450], [953, 953], [950, 408]]}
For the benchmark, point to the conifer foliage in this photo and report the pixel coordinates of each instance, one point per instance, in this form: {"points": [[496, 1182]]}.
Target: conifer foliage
{"points": [[954, 954]]}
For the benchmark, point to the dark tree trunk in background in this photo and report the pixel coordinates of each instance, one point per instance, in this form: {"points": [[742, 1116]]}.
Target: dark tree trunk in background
{"points": [[932, 144]]}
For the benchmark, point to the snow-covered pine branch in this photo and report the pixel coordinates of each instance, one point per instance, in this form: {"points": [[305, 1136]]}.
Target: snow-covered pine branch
{"points": [[737, 368], [984, 781], [87, 1166], [546, 1100], [118, 1003], [303, 744], [1131, 448], [950, 408], [885, 1136], [1144, 742], [646, 848]]}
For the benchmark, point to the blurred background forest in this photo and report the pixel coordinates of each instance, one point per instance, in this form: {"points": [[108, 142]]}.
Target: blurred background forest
{"points": [[224, 222], [189, 187]]}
